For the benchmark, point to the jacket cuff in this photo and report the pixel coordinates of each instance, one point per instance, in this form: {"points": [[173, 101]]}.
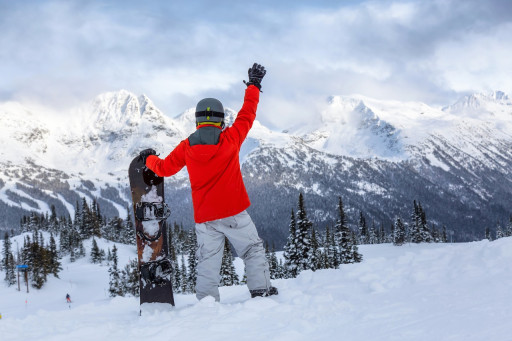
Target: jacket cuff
{"points": [[150, 161]]}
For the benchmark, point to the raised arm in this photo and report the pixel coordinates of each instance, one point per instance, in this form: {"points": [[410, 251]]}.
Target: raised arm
{"points": [[246, 116]]}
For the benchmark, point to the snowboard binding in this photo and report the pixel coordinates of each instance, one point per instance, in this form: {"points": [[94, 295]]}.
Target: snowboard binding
{"points": [[156, 272], [145, 211]]}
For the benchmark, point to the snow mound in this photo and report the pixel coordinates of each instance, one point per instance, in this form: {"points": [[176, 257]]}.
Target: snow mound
{"points": [[413, 292]]}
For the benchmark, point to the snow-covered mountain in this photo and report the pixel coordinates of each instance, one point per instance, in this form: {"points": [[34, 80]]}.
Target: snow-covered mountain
{"points": [[378, 155]]}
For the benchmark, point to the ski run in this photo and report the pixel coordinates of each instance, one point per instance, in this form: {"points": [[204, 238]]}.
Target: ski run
{"points": [[411, 292]]}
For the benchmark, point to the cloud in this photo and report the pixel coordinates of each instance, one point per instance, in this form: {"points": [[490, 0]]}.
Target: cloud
{"points": [[62, 52]]}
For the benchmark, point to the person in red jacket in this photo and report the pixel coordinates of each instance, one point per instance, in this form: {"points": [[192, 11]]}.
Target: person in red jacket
{"points": [[220, 199]]}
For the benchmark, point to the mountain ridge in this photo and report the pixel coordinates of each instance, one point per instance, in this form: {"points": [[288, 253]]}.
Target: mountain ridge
{"points": [[357, 150]]}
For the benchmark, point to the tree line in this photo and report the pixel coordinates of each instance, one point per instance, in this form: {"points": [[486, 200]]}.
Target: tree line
{"points": [[307, 247]]}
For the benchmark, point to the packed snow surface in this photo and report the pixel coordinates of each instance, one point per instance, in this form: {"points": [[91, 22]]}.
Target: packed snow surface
{"points": [[413, 292]]}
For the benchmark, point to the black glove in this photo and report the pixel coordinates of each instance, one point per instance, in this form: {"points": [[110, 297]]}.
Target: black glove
{"points": [[256, 74], [145, 153]]}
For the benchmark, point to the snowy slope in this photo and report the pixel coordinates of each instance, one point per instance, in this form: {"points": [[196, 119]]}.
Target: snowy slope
{"points": [[413, 292]]}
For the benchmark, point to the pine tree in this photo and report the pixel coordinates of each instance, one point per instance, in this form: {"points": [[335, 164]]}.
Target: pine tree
{"points": [[343, 240], [10, 271], [81, 250], [332, 258], [55, 265], [53, 223], [129, 230], [372, 235], [176, 278], [416, 229], [115, 286], [509, 227], [273, 264], [356, 256], [280, 272], [184, 275], [72, 256], [228, 274], [398, 232], [426, 235], [192, 261], [6, 251], [290, 250], [313, 259], [8, 261], [95, 252], [302, 236], [499, 231], [109, 256], [96, 220], [130, 278], [444, 236], [363, 229], [488, 234]]}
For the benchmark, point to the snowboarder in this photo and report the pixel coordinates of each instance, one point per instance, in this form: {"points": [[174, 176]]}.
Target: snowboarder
{"points": [[219, 197], [68, 298]]}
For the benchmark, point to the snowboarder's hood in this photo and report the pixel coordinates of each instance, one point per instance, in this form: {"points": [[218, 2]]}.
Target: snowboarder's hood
{"points": [[203, 152], [204, 143]]}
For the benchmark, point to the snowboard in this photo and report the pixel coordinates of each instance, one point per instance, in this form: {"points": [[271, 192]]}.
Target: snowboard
{"points": [[151, 212]]}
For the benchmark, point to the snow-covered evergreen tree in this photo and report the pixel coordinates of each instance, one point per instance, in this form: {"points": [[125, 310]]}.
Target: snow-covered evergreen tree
{"points": [[184, 275], [228, 274], [129, 230], [399, 232], [191, 248], [509, 228], [176, 277], [302, 236], [290, 253], [373, 237], [499, 231], [416, 233], [356, 256], [130, 278], [315, 254], [53, 256], [444, 236], [363, 229], [330, 250], [95, 252], [426, 235], [273, 265], [280, 272], [343, 240], [115, 285], [8, 263], [5, 251]]}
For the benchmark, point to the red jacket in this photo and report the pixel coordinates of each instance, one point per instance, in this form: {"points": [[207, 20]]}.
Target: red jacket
{"points": [[218, 190]]}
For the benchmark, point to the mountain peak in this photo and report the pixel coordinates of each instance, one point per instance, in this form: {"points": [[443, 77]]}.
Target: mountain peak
{"points": [[480, 100]]}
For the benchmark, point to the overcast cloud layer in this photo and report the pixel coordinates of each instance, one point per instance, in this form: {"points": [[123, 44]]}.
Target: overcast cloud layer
{"points": [[60, 53]]}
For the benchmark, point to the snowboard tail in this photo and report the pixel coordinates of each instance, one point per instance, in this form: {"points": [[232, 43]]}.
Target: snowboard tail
{"points": [[151, 212]]}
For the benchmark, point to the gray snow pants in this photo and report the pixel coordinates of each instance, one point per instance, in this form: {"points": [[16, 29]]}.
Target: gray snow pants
{"points": [[241, 232]]}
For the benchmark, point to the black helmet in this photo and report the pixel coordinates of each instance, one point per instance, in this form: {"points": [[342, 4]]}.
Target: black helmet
{"points": [[209, 110]]}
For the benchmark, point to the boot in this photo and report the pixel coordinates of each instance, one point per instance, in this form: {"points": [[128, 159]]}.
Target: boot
{"points": [[263, 292]]}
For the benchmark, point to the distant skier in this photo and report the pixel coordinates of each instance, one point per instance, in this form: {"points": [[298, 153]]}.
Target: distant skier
{"points": [[220, 199], [68, 298]]}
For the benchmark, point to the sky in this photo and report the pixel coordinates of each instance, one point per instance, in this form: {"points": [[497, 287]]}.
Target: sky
{"points": [[62, 53]]}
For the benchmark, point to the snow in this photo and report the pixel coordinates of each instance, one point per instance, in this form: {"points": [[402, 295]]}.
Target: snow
{"points": [[412, 292], [151, 196]]}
